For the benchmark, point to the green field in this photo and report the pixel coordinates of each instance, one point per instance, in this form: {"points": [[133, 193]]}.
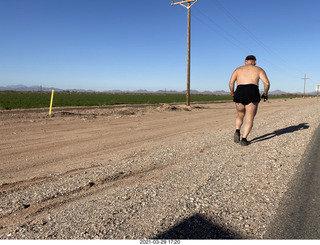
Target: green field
{"points": [[25, 100]]}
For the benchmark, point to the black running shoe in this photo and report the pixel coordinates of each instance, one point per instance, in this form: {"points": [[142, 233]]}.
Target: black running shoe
{"points": [[244, 142], [236, 137]]}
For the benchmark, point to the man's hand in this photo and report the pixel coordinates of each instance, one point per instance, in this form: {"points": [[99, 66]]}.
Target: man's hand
{"points": [[264, 97], [232, 94]]}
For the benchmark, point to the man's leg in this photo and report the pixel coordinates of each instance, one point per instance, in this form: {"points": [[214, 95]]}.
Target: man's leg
{"points": [[239, 120], [251, 111], [240, 115]]}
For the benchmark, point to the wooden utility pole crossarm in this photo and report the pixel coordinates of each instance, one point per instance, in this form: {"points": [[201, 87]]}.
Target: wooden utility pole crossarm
{"points": [[181, 2]]}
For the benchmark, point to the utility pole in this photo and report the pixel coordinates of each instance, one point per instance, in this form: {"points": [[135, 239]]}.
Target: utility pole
{"points": [[305, 78], [190, 3]]}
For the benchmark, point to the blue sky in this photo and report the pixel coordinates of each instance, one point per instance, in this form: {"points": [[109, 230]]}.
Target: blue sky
{"points": [[131, 45]]}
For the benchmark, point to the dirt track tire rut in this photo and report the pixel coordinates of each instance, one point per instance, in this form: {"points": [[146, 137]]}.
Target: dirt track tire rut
{"points": [[25, 212]]}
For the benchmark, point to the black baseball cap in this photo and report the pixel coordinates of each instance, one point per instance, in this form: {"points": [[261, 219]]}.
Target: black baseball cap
{"points": [[250, 57]]}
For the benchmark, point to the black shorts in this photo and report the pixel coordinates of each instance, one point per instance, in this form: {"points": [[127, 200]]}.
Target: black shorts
{"points": [[247, 93]]}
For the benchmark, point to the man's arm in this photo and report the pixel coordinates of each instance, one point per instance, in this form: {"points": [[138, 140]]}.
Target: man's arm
{"points": [[265, 80], [232, 81]]}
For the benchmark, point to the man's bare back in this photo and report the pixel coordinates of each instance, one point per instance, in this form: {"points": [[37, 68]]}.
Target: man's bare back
{"points": [[249, 74]]}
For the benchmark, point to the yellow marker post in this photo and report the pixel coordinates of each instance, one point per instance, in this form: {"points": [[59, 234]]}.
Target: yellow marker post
{"points": [[51, 102]]}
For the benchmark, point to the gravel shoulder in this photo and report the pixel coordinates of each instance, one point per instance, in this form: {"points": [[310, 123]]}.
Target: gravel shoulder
{"points": [[166, 172]]}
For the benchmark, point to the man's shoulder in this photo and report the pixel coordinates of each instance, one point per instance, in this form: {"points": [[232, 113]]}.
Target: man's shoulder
{"points": [[240, 68], [261, 71], [256, 68], [249, 68]]}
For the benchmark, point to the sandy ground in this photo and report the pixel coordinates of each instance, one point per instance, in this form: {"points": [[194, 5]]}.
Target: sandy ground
{"points": [[34, 146]]}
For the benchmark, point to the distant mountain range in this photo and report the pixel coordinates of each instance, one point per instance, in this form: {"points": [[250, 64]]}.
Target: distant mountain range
{"points": [[24, 88]]}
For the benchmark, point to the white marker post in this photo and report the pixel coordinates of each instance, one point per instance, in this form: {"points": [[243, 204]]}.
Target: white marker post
{"points": [[318, 89]]}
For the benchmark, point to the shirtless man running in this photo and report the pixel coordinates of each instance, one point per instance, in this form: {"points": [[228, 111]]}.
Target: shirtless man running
{"points": [[247, 96]]}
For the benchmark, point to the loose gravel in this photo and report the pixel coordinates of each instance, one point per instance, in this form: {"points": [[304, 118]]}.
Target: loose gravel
{"points": [[206, 187]]}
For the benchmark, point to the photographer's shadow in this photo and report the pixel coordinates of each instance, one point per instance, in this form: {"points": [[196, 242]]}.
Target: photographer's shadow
{"points": [[279, 132]]}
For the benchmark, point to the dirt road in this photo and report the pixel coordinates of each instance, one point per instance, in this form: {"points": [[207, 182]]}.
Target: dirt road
{"points": [[34, 145], [36, 149]]}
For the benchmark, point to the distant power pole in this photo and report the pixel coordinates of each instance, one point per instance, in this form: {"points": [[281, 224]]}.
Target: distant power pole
{"points": [[305, 78], [190, 3]]}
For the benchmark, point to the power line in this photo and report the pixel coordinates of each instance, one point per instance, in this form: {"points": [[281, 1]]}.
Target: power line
{"points": [[222, 34], [245, 29], [230, 38]]}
